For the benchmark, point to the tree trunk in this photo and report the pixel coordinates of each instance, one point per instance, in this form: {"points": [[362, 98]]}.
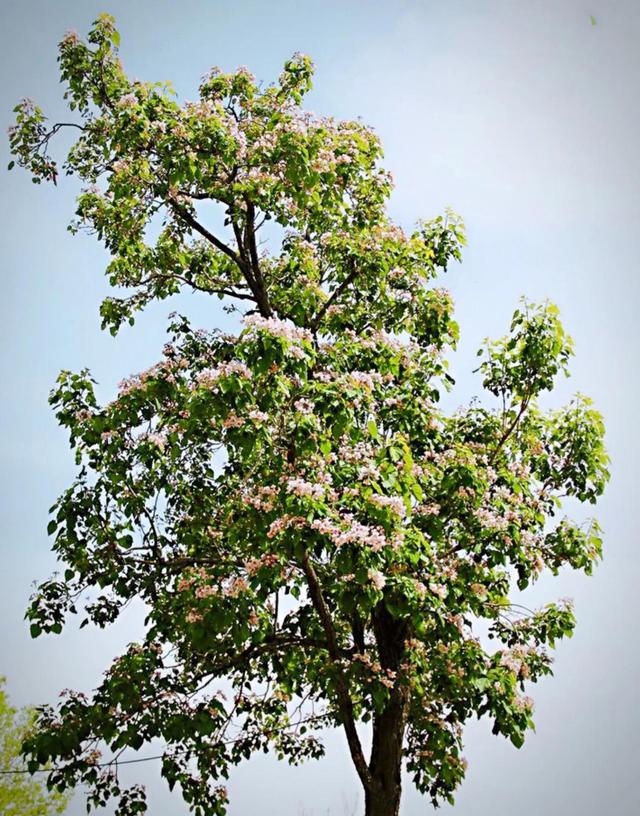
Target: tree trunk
{"points": [[389, 725], [386, 760], [377, 805]]}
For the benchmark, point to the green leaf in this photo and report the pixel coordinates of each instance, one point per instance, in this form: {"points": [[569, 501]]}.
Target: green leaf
{"points": [[517, 738]]}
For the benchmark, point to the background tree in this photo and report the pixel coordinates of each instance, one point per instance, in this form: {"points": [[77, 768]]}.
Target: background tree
{"points": [[20, 794], [304, 524]]}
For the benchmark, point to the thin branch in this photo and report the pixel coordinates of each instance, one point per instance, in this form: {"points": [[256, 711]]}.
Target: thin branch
{"points": [[209, 290], [335, 295], [274, 644], [345, 704], [510, 429], [59, 125]]}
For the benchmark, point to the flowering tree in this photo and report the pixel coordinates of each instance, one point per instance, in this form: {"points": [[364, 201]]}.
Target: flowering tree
{"points": [[303, 523]]}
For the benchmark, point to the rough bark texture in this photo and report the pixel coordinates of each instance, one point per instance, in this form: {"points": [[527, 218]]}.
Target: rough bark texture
{"points": [[383, 799], [386, 761]]}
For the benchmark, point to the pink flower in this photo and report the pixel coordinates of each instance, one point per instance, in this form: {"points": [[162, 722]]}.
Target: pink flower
{"points": [[366, 378], [354, 533], [70, 38], [235, 587], [128, 101], [300, 487], [155, 439], [490, 520], [393, 503], [210, 376], [420, 588], [428, 510], [233, 421], [277, 328], [283, 523], [252, 565], [438, 589], [205, 592], [304, 406], [377, 578], [523, 703]]}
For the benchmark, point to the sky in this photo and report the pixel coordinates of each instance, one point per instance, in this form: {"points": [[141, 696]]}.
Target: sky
{"points": [[522, 116]]}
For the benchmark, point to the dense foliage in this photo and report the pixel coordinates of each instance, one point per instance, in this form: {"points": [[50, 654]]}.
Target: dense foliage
{"points": [[20, 794], [302, 521]]}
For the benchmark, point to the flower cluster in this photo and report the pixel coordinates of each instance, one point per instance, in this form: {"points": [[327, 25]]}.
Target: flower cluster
{"points": [[210, 376], [300, 487], [394, 503], [350, 531], [277, 328]]}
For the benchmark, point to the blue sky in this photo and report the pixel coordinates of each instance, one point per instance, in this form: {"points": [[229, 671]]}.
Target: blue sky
{"points": [[524, 117]]}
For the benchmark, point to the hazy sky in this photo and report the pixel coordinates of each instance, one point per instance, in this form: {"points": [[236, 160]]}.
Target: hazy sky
{"points": [[524, 117]]}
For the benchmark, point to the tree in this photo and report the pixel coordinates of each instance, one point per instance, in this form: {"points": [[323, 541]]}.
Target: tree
{"points": [[300, 518], [20, 795]]}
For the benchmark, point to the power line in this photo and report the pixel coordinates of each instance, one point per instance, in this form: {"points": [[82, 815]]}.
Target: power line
{"points": [[118, 762], [97, 765]]}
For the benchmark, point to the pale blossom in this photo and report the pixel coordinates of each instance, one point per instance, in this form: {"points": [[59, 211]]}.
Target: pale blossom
{"points": [[235, 587], [394, 503], [438, 589], [303, 406], [377, 578], [205, 591], [428, 509], [366, 378], [277, 328], [210, 376], [233, 421], [490, 520], [300, 487]]}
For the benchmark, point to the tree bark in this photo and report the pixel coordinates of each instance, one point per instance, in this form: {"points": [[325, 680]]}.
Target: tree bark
{"points": [[386, 759], [385, 766]]}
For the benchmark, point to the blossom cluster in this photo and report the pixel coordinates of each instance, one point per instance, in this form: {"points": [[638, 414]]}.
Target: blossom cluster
{"points": [[300, 487], [210, 376], [394, 503], [350, 531]]}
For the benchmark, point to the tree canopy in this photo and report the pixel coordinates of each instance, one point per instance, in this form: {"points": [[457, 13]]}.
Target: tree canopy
{"points": [[317, 543]]}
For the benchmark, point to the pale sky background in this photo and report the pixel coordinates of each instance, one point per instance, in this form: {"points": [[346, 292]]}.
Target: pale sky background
{"points": [[521, 115]]}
